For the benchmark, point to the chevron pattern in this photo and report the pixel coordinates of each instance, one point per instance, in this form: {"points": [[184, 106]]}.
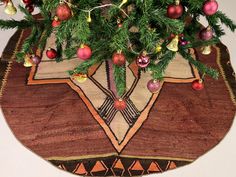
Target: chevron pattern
{"points": [[118, 166]]}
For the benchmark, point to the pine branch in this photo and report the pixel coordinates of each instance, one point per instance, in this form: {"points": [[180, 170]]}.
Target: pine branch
{"points": [[83, 68], [200, 66], [158, 69], [120, 79], [47, 33], [214, 23], [200, 43], [166, 24], [148, 36], [11, 24], [120, 39], [225, 20], [27, 46], [28, 15]]}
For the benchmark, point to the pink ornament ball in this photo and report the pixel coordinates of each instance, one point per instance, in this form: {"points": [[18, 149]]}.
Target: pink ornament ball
{"points": [[143, 60], [206, 34], [84, 52], [36, 59], [210, 7], [183, 42], [154, 86]]}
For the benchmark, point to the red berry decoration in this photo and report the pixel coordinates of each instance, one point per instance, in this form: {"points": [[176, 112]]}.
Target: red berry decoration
{"points": [[27, 1], [51, 53], [206, 34], [63, 11], [56, 22], [154, 86], [175, 11], [118, 58], [198, 85], [210, 7], [84, 52], [120, 104], [30, 7], [143, 60], [35, 59]]}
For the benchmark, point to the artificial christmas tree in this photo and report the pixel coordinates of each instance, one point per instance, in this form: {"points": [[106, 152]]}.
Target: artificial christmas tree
{"points": [[118, 56]]}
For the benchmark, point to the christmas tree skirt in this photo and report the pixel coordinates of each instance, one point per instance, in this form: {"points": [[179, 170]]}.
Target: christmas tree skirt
{"points": [[76, 127]]}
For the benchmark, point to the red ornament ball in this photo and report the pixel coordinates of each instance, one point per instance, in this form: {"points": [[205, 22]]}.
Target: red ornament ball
{"points": [[118, 59], [175, 11], [84, 52], [143, 60], [119, 25], [210, 7], [35, 59], [206, 34], [120, 104], [27, 1], [154, 86], [198, 85], [30, 8], [56, 22], [63, 12], [51, 53]]}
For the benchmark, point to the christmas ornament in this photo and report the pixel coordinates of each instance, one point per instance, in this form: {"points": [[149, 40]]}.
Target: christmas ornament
{"points": [[89, 19], [51, 53], [158, 48], [63, 11], [119, 23], [206, 50], [30, 8], [198, 85], [56, 22], [175, 11], [35, 59], [10, 9], [173, 45], [210, 7], [118, 58], [84, 52], [122, 3], [28, 61], [183, 42], [27, 2], [154, 86], [143, 60], [120, 104], [80, 78], [206, 34]]}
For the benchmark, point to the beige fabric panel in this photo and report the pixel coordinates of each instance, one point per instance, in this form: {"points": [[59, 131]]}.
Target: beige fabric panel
{"points": [[179, 68]]}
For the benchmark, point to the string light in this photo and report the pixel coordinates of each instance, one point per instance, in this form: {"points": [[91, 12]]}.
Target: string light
{"points": [[89, 11]]}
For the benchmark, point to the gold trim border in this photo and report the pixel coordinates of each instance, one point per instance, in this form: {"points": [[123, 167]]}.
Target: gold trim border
{"points": [[218, 60], [117, 155], [8, 70]]}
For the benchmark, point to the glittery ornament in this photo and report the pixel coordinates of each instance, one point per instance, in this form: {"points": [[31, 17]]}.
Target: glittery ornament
{"points": [[154, 86], [143, 60]]}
